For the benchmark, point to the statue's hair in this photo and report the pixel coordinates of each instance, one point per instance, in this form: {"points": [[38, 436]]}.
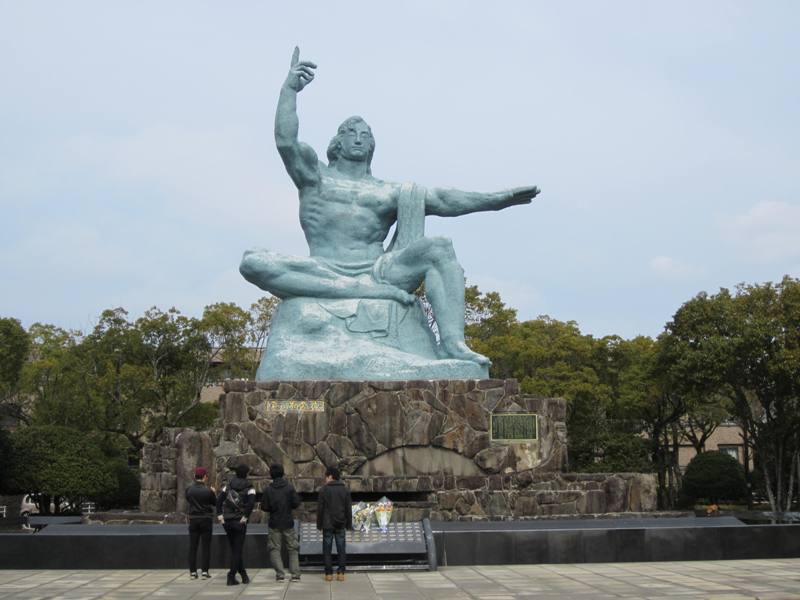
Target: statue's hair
{"points": [[334, 146]]}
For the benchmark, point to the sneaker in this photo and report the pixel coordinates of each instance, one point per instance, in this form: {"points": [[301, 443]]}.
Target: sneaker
{"points": [[340, 577], [328, 577], [280, 578], [205, 575], [295, 577], [193, 575], [232, 580]]}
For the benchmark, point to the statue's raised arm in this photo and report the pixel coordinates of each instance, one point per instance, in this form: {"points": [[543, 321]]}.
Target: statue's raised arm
{"points": [[300, 159]]}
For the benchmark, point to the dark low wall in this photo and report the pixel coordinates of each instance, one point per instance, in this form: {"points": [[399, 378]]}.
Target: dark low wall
{"points": [[106, 547], [137, 547], [604, 545]]}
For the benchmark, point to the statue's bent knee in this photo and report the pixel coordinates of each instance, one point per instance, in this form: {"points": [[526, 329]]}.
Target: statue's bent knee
{"points": [[441, 249], [258, 266]]}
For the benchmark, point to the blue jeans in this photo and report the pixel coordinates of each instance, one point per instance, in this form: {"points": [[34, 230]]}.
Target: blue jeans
{"points": [[328, 535]]}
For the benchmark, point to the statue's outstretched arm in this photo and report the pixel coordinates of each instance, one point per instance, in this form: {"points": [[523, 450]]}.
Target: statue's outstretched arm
{"points": [[451, 203], [300, 159]]}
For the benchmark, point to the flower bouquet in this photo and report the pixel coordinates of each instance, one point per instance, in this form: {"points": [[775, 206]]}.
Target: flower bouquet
{"points": [[383, 513], [362, 516]]}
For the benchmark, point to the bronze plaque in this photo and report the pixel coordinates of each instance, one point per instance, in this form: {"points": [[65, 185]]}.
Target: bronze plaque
{"points": [[514, 427]]}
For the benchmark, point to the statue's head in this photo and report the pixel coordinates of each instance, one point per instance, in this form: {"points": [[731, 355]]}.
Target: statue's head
{"points": [[353, 141]]}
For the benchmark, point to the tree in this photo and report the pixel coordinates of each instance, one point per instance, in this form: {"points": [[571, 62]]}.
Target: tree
{"points": [[746, 347], [53, 379], [6, 455], [227, 329], [117, 378], [134, 378], [647, 394], [58, 463], [703, 417], [261, 313], [178, 357], [14, 348], [486, 315]]}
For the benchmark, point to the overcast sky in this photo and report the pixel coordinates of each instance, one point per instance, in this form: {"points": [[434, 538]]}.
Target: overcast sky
{"points": [[137, 160]]}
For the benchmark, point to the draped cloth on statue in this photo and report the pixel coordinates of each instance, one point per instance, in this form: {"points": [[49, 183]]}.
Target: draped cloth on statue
{"points": [[410, 216], [362, 339]]}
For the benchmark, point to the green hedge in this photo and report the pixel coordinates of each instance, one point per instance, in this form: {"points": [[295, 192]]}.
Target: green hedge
{"points": [[59, 462]]}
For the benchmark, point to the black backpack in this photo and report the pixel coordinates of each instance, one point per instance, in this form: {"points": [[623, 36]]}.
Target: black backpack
{"points": [[233, 500]]}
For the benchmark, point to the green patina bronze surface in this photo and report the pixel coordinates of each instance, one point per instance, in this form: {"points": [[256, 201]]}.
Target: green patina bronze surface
{"points": [[348, 309]]}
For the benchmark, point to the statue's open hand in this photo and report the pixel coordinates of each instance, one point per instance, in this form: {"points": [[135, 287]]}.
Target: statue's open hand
{"points": [[522, 195], [300, 73]]}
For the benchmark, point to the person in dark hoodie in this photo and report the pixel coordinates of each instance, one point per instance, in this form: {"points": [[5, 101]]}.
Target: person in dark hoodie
{"points": [[279, 499], [200, 501], [234, 505], [334, 516]]}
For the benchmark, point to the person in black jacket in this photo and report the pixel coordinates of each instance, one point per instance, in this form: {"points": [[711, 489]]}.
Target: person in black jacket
{"points": [[279, 499], [334, 516], [234, 505], [200, 501]]}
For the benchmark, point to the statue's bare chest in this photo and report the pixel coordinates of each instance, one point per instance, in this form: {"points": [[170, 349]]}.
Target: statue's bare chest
{"points": [[356, 197]]}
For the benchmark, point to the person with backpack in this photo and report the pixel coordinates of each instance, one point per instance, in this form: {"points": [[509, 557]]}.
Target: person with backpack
{"points": [[200, 502], [234, 505], [334, 516], [278, 500]]}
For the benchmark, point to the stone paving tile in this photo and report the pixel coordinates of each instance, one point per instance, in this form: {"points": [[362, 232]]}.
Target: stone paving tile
{"points": [[729, 580]]}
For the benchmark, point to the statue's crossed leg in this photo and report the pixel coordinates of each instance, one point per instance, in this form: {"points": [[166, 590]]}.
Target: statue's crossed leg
{"points": [[394, 276]]}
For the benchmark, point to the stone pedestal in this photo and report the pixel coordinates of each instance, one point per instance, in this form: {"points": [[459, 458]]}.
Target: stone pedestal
{"points": [[427, 445], [384, 428], [358, 340]]}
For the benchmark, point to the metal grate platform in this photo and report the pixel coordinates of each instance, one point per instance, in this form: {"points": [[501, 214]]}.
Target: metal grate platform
{"points": [[402, 545]]}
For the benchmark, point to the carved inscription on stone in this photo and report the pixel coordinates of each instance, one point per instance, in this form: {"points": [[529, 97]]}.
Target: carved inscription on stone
{"points": [[514, 427]]}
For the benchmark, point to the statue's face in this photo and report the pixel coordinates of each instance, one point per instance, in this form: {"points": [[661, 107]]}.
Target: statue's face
{"points": [[355, 142]]}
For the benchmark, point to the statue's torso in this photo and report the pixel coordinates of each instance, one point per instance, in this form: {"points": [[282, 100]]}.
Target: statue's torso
{"points": [[347, 220]]}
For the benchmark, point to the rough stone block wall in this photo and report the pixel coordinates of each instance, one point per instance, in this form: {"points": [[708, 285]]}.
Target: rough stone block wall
{"points": [[397, 428], [424, 444], [157, 473]]}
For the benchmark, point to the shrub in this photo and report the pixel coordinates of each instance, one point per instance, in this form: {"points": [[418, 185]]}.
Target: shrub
{"points": [[59, 462], [126, 494], [714, 476]]}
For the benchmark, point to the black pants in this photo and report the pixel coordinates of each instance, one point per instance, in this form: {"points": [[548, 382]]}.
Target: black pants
{"points": [[236, 530], [200, 531]]}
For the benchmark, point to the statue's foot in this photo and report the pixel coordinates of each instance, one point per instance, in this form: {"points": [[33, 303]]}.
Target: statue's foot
{"points": [[458, 349]]}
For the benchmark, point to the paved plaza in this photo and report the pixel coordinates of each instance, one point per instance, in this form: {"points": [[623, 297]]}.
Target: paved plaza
{"points": [[719, 580]]}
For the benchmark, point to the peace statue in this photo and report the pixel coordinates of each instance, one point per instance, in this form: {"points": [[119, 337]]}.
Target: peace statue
{"points": [[348, 311]]}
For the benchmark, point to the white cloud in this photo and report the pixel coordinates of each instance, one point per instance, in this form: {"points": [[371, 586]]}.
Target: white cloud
{"points": [[768, 232], [670, 267]]}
